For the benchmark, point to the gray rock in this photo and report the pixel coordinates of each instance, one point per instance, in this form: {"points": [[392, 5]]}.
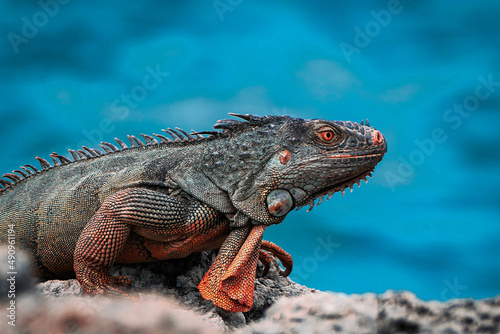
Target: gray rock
{"points": [[178, 279], [60, 288], [167, 300], [79, 315], [388, 313]]}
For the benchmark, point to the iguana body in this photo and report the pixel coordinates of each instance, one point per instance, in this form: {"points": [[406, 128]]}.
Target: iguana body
{"points": [[168, 199]]}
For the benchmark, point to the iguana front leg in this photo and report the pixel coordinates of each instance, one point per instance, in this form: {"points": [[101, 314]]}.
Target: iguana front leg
{"points": [[229, 282], [171, 227], [164, 228]]}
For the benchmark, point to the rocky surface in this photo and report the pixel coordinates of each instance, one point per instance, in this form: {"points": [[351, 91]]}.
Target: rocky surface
{"points": [[388, 313], [167, 301], [160, 289]]}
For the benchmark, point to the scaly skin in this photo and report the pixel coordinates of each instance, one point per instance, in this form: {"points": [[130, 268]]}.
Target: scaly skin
{"points": [[168, 199]]}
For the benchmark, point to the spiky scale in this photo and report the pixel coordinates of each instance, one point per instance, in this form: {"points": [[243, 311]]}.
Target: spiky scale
{"points": [[132, 141], [13, 177], [61, 158], [150, 140], [311, 206], [30, 172], [80, 155], [24, 174], [248, 117], [210, 133], [194, 133], [163, 139], [137, 141], [44, 163], [121, 143], [84, 154], [73, 153], [223, 126], [97, 152], [111, 146], [176, 134], [91, 151], [33, 168], [106, 149], [187, 135], [6, 184], [172, 134]]}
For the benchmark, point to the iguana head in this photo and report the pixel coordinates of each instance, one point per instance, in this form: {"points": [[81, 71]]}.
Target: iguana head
{"points": [[302, 161]]}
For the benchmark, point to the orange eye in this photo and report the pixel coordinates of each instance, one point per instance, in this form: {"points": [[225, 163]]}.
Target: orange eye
{"points": [[327, 135]]}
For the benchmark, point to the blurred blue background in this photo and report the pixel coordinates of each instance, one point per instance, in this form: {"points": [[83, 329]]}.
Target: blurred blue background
{"points": [[425, 73]]}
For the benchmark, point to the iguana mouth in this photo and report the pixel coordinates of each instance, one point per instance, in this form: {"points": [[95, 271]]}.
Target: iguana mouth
{"points": [[341, 156], [342, 184], [336, 187]]}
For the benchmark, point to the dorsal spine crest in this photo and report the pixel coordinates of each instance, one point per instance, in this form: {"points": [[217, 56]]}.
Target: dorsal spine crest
{"points": [[179, 137]]}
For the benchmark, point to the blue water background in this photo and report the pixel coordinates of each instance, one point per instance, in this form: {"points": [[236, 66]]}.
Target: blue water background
{"points": [[429, 220]]}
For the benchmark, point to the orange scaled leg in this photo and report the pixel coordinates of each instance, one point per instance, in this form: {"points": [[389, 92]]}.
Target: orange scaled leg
{"points": [[229, 282]]}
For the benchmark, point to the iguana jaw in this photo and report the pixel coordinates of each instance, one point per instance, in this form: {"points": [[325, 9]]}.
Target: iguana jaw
{"points": [[330, 190], [366, 164]]}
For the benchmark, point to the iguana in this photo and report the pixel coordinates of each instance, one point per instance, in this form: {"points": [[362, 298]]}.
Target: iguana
{"points": [[167, 198]]}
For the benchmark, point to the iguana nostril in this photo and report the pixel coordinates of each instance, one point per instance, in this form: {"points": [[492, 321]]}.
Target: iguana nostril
{"points": [[378, 139]]}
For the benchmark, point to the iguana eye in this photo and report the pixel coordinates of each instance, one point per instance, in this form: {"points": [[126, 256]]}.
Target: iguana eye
{"points": [[327, 135]]}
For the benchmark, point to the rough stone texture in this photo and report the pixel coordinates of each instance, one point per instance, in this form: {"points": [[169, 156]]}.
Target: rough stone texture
{"points": [[388, 313], [166, 300], [72, 315], [178, 280]]}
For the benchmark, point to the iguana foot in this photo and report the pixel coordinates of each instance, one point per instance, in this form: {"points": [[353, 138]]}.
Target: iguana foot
{"points": [[265, 258], [230, 281], [98, 283], [285, 258]]}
